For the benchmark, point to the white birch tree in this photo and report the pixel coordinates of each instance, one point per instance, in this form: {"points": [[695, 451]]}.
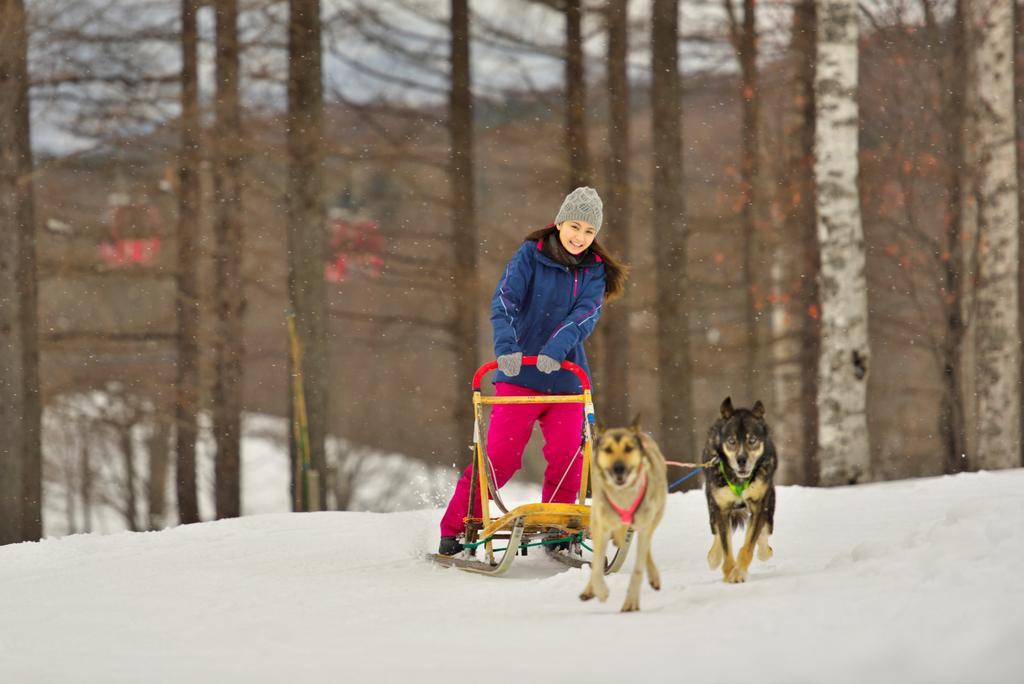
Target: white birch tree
{"points": [[842, 368], [992, 254]]}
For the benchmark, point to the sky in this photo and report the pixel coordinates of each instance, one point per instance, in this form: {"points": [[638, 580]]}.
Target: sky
{"points": [[356, 54], [66, 117]]}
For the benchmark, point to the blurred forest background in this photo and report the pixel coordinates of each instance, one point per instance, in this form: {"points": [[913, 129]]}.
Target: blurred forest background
{"points": [[177, 178]]}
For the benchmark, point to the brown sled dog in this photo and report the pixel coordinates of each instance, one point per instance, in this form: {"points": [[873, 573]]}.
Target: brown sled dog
{"points": [[739, 487], [629, 489]]}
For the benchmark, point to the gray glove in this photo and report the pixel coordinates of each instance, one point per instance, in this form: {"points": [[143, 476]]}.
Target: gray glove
{"points": [[546, 364], [509, 364]]}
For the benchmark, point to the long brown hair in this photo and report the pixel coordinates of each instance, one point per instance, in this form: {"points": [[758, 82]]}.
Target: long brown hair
{"points": [[615, 272]]}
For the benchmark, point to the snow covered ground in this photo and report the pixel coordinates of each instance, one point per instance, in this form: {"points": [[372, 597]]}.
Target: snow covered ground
{"points": [[912, 581]]}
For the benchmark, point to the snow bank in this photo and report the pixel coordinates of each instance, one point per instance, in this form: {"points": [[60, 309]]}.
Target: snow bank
{"points": [[380, 481], [903, 582]]}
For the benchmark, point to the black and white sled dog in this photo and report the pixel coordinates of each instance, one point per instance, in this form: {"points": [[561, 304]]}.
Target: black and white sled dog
{"points": [[739, 487]]}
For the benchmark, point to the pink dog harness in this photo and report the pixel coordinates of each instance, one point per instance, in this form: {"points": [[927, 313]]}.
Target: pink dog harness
{"points": [[626, 514]]}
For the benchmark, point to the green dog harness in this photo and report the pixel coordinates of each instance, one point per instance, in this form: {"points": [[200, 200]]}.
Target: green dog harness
{"points": [[737, 489]]}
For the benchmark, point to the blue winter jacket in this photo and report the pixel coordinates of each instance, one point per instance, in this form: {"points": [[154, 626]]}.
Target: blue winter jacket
{"points": [[543, 307]]}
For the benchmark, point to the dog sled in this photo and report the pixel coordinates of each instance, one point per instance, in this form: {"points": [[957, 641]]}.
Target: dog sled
{"points": [[561, 529]]}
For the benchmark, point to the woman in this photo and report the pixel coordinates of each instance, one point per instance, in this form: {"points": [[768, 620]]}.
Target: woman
{"points": [[546, 304]]}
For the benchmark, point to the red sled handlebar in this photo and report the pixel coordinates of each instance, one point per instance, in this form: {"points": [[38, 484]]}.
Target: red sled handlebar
{"points": [[531, 361]]}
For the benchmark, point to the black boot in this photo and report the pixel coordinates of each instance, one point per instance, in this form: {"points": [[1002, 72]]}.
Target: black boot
{"points": [[449, 546], [556, 534]]}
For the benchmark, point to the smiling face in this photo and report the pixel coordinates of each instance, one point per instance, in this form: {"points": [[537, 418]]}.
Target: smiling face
{"points": [[742, 436], [576, 236], [619, 456]]}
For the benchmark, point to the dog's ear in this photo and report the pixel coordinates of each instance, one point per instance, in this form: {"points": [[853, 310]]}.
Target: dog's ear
{"points": [[598, 429], [758, 409], [727, 409], [635, 425]]}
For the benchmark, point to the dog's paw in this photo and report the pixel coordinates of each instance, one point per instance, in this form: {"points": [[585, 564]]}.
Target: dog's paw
{"points": [[764, 552], [631, 605], [653, 576], [737, 576], [715, 555], [600, 591]]}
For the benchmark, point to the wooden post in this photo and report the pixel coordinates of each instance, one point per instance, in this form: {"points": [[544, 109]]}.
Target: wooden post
{"points": [[307, 480]]}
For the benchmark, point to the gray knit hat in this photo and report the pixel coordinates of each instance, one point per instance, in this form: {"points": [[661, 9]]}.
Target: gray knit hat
{"points": [[582, 204]]}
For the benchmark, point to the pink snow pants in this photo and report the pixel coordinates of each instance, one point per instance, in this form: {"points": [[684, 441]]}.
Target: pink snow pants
{"points": [[509, 431]]}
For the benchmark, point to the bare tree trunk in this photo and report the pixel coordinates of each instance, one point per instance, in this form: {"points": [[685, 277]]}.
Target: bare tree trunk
{"points": [[842, 372], [186, 405], [750, 169], [156, 494], [229, 340], [1018, 121], [811, 255], [806, 14], [461, 181], [580, 173], [20, 460], [996, 328], [294, 481], [131, 504], [86, 480], [32, 454], [796, 264], [616, 325], [744, 39], [575, 97], [967, 265], [69, 500], [786, 351], [674, 363], [1018, 90], [952, 421], [306, 234]]}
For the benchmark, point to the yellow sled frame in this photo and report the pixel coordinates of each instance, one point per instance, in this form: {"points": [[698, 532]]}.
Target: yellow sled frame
{"points": [[529, 520]]}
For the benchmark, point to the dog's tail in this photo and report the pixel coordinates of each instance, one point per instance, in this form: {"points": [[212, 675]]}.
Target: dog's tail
{"points": [[737, 519]]}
